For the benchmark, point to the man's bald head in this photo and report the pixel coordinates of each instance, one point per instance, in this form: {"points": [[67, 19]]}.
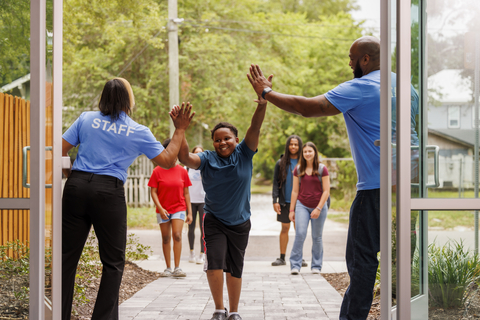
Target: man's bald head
{"points": [[365, 56], [369, 45]]}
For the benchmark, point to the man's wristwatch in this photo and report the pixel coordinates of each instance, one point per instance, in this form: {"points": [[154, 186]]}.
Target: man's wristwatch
{"points": [[265, 91]]}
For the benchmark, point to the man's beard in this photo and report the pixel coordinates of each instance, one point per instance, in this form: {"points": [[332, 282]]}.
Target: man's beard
{"points": [[357, 71]]}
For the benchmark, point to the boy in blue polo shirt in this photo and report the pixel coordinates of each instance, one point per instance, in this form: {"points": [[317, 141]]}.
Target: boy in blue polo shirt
{"points": [[226, 177]]}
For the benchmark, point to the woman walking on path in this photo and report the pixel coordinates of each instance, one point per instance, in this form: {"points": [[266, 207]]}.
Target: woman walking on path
{"points": [[197, 198], [169, 190], [94, 195], [226, 176], [311, 189], [282, 191]]}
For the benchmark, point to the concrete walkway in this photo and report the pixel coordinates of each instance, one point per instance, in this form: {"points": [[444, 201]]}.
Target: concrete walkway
{"points": [[276, 295], [267, 292]]}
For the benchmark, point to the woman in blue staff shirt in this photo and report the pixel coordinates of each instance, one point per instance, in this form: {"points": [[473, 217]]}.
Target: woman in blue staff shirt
{"points": [[94, 195]]}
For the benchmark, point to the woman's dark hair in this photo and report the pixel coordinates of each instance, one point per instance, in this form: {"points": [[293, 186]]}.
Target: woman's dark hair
{"points": [[303, 162], [225, 125], [115, 99], [166, 142], [285, 160], [197, 147]]}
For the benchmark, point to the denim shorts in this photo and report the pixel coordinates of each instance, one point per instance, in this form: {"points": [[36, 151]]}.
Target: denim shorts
{"points": [[177, 215]]}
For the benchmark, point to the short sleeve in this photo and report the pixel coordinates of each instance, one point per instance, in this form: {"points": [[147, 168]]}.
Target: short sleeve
{"points": [[72, 135], [244, 149], [150, 145], [204, 156], [346, 96], [153, 182], [325, 171], [186, 179]]}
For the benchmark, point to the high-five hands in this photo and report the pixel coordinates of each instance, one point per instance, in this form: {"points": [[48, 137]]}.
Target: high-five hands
{"points": [[182, 116], [258, 81]]}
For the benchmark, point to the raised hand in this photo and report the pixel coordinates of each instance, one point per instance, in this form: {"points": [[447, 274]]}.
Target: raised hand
{"points": [[182, 116], [258, 80]]}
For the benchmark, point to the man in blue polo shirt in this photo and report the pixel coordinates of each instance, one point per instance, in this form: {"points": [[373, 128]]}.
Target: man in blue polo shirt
{"points": [[359, 101]]}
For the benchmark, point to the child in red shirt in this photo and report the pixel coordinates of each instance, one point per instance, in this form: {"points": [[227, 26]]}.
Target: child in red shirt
{"points": [[169, 190]]}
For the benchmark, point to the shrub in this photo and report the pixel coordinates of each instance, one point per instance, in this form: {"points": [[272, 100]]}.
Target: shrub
{"points": [[451, 270]]}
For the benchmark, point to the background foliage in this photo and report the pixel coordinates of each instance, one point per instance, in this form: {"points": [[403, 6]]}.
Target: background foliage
{"points": [[305, 46]]}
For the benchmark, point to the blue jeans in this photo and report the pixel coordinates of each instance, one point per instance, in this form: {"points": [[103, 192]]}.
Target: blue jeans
{"points": [[363, 244], [302, 218]]}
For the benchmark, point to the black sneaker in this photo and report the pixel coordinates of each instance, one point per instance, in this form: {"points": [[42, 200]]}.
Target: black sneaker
{"points": [[235, 317], [304, 263], [279, 262]]}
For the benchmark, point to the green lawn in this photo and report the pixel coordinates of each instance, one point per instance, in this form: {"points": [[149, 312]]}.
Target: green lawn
{"points": [[142, 218]]}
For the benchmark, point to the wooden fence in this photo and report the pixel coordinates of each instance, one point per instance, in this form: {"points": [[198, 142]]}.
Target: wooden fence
{"points": [[14, 135], [137, 192]]}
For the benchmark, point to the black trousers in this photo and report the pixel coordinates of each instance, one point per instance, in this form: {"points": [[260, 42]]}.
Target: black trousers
{"points": [[196, 207], [98, 200]]}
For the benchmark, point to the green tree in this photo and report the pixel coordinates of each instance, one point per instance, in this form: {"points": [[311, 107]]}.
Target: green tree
{"points": [[219, 40]]}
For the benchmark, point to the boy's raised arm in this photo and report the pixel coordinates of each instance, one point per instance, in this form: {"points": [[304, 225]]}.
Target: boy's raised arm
{"points": [[253, 132], [191, 160]]}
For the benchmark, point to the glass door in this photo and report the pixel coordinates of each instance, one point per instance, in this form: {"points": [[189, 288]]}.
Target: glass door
{"points": [[430, 241], [30, 117]]}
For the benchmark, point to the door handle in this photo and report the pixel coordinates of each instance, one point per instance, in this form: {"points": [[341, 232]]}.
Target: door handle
{"points": [[436, 170], [24, 175]]}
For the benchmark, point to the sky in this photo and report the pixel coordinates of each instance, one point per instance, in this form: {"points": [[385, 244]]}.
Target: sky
{"points": [[370, 12]]}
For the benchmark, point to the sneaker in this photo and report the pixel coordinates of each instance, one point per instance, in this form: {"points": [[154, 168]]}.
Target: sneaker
{"points": [[166, 273], [201, 258], [295, 271], [178, 273], [234, 316], [279, 262], [315, 271], [220, 315], [192, 257], [304, 263]]}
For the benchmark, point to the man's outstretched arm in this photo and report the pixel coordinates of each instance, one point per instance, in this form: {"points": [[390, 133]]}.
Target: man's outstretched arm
{"points": [[317, 106]]}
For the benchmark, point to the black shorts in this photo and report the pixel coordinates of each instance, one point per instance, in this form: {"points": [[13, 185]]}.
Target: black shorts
{"points": [[225, 245], [284, 211]]}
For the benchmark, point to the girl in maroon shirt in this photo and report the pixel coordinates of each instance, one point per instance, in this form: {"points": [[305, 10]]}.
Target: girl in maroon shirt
{"points": [[310, 192]]}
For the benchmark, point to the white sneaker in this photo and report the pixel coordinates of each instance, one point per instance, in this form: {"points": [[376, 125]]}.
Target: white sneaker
{"points": [[294, 271], [192, 257], [315, 271], [201, 258]]}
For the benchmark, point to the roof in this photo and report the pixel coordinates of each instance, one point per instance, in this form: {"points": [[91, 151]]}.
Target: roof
{"points": [[465, 137], [15, 83], [448, 86]]}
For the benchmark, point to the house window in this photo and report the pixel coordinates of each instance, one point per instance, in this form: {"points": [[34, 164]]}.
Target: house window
{"points": [[454, 117]]}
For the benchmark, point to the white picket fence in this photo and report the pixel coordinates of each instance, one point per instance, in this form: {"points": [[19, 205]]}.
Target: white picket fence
{"points": [[137, 192]]}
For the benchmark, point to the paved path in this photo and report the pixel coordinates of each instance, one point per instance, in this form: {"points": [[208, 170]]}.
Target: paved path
{"points": [[266, 296], [267, 292]]}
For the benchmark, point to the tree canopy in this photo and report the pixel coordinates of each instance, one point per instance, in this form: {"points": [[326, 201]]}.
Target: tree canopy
{"points": [[306, 50]]}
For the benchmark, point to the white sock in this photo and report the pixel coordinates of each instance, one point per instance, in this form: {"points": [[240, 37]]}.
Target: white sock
{"points": [[219, 311], [230, 313]]}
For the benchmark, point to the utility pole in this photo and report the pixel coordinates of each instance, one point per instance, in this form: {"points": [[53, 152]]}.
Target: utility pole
{"points": [[173, 70]]}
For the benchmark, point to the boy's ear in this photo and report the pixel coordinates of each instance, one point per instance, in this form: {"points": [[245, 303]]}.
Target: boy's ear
{"points": [[237, 140]]}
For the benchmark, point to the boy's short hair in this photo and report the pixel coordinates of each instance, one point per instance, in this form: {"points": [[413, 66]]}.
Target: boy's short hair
{"points": [[225, 125], [166, 142]]}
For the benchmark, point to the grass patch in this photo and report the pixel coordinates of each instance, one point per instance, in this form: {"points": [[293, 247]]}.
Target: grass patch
{"points": [[339, 217], [142, 218], [451, 219]]}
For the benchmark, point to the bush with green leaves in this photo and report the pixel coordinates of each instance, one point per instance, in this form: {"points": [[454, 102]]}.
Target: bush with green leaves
{"points": [[452, 271], [14, 271]]}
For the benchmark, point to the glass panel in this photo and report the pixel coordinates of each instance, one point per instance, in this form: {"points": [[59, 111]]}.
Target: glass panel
{"points": [[14, 136], [452, 265], [452, 98], [48, 159]]}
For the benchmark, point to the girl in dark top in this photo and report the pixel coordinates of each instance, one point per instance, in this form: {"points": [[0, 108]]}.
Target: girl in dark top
{"points": [[311, 188], [282, 190]]}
